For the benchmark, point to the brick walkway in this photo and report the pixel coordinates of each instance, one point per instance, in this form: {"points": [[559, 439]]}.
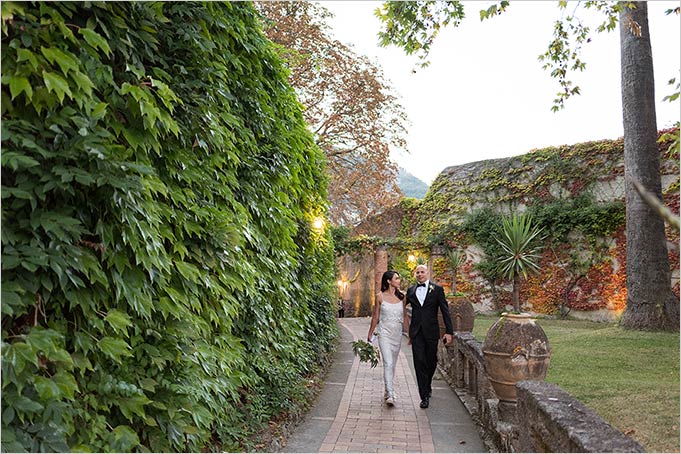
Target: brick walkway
{"points": [[364, 424], [351, 416]]}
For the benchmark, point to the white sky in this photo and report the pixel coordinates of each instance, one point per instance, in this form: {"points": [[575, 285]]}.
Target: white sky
{"points": [[485, 94]]}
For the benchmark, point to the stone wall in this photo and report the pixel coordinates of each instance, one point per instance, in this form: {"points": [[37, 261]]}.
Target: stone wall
{"points": [[544, 419], [593, 291], [553, 421]]}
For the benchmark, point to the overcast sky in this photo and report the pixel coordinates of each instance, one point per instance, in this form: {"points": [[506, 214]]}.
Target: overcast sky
{"points": [[485, 94]]}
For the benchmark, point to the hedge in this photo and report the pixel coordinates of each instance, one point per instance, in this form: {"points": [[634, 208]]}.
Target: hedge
{"points": [[162, 288]]}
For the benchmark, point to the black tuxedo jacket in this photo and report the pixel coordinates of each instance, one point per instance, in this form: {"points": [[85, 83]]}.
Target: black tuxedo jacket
{"points": [[425, 317]]}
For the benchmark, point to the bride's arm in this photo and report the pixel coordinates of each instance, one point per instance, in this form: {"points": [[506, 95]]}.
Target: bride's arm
{"points": [[406, 320], [374, 316]]}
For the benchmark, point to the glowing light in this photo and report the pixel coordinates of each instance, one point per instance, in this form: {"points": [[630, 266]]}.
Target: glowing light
{"points": [[340, 283], [318, 224], [411, 258]]}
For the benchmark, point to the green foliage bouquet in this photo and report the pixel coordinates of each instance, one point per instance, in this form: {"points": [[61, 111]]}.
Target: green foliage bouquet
{"points": [[367, 353]]}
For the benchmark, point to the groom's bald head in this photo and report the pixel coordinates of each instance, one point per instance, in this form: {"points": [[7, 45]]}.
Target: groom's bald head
{"points": [[421, 273]]}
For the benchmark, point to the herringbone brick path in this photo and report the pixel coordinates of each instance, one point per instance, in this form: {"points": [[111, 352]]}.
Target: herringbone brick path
{"points": [[350, 415], [364, 423]]}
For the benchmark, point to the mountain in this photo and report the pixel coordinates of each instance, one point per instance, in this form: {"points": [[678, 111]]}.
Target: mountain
{"points": [[410, 185]]}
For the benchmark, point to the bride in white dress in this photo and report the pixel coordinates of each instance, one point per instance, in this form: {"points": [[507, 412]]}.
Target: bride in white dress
{"points": [[389, 314]]}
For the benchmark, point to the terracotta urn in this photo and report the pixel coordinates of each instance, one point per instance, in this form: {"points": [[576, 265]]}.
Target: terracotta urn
{"points": [[462, 314], [515, 348]]}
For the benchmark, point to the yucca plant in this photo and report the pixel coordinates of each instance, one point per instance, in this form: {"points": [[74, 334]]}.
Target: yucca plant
{"points": [[455, 258], [520, 242]]}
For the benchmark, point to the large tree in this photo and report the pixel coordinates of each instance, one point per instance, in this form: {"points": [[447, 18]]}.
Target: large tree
{"points": [[650, 301], [349, 106]]}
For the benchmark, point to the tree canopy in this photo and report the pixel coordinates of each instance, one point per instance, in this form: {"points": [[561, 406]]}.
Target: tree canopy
{"points": [[413, 26], [350, 107]]}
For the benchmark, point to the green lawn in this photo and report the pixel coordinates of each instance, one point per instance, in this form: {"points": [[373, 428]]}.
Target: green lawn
{"points": [[630, 378]]}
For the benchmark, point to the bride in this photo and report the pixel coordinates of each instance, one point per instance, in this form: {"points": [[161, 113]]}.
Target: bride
{"points": [[389, 314]]}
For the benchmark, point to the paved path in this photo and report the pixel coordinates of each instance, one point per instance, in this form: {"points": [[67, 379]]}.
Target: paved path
{"points": [[350, 416]]}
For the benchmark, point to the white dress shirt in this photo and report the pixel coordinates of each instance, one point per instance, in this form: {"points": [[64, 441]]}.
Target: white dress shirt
{"points": [[421, 292]]}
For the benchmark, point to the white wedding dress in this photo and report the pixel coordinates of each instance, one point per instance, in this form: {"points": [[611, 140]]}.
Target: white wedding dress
{"points": [[389, 341]]}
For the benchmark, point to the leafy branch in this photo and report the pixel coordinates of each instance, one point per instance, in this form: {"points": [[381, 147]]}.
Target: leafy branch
{"points": [[367, 353]]}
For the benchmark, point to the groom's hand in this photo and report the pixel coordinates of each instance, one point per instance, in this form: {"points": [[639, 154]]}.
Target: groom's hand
{"points": [[447, 339]]}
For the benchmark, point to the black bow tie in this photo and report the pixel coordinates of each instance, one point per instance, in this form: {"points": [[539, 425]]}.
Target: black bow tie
{"points": [[420, 285]]}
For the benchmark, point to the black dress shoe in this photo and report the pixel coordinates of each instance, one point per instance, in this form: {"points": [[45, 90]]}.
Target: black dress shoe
{"points": [[425, 402]]}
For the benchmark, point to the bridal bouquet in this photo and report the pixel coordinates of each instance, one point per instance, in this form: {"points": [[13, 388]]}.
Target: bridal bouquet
{"points": [[367, 353]]}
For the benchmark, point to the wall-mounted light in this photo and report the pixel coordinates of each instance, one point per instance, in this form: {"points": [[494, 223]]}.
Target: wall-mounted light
{"points": [[318, 224]]}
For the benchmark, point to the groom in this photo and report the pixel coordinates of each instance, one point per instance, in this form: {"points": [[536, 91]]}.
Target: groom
{"points": [[425, 299]]}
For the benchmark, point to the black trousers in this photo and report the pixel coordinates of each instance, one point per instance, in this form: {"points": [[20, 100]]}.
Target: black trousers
{"points": [[424, 352]]}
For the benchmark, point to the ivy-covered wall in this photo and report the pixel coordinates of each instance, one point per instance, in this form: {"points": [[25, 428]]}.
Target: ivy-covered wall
{"points": [[575, 192], [162, 289]]}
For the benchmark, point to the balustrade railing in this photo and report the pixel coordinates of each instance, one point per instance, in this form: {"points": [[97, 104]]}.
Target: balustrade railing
{"points": [[544, 419]]}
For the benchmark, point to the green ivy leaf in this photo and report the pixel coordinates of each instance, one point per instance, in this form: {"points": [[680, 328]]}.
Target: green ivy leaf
{"points": [[123, 439], [26, 405], [148, 384], [18, 354], [99, 110], [16, 161], [66, 383], [114, 347], [66, 62], [187, 270], [95, 40], [17, 85], [47, 389], [43, 340], [55, 82], [9, 9], [62, 357], [118, 320], [133, 406], [83, 82]]}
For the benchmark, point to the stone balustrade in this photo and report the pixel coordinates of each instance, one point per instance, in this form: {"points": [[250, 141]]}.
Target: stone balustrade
{"points": [[544, 419]]}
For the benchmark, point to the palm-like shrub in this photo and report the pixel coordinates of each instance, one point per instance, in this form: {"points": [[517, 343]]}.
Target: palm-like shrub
{"points": [[455, 258], [520, 242]]}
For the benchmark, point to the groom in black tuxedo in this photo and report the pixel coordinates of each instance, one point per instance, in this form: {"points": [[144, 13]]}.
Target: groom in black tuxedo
{"points": [[424, 331]]}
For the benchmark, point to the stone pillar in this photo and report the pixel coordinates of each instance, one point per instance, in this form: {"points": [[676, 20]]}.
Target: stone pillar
{"points": [[507, 412], [380, 266], [460, 364]]}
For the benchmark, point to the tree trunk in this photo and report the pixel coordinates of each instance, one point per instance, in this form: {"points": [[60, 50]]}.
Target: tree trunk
{"points": [[651, 305], [516, 293]]}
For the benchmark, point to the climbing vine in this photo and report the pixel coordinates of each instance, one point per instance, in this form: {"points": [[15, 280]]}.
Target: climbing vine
{"points": [[162, 287], [575, 192]]}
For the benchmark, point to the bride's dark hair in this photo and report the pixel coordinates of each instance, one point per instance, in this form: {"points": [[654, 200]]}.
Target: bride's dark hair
{"points": [[385, 285]]}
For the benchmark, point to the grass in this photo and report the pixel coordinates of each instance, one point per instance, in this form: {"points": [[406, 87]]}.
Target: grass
{"points": [[630, 378]]}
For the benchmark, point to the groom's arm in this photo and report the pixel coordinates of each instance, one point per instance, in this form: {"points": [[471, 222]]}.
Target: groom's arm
{"points": [[406, 320], [444, 308]]}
